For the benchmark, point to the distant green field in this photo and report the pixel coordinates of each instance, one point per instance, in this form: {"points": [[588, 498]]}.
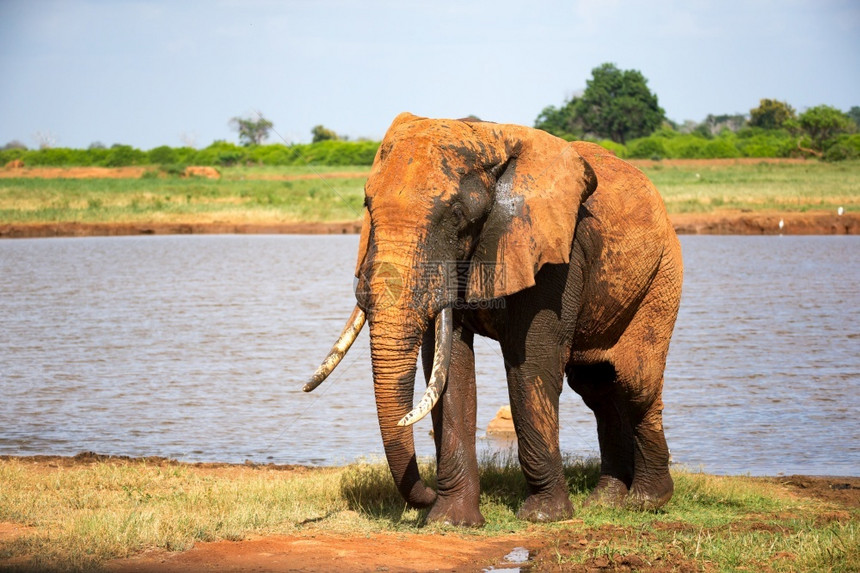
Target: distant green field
{"points": [[234, 198], [811, 186], [266, 195]]}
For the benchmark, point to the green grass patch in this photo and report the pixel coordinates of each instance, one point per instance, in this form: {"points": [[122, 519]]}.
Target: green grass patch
{"points": [[233, 198], [82, 515], [270, 194], [811, 186]]}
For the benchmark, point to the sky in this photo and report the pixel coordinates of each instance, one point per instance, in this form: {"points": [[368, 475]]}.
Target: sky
{"points": [[164, 72]]}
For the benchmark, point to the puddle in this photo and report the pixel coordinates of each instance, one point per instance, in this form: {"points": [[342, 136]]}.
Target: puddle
{"points": [[518, 556]]}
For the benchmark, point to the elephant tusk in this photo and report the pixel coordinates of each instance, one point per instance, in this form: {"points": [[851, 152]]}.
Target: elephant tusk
{"points": [[439, 375], [337, 352]]}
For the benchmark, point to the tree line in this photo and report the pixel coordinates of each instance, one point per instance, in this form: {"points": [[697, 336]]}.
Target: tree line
{"points": [[218, 154], [616, 110], [619, 111]]}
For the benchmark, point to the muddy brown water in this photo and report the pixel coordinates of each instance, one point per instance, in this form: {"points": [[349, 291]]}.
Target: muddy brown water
{"points": [[196, 348]]}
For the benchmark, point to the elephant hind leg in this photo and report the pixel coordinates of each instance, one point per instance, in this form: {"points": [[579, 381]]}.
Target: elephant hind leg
{"points": [[639, 358], [596, 383], [652, 485]]}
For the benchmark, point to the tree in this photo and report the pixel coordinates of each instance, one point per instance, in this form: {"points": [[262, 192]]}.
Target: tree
{"points": [[823, 123], [771, 114], [252, 131], [14, 144], [322, 133], [854, 114], [717, 123], [618, 105], [560, 121]]}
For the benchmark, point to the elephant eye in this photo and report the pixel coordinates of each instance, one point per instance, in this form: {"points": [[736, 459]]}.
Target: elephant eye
{"points": [[459, 215]]}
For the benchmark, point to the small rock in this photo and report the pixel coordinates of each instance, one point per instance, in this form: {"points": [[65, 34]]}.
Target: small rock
{"points": [[503, 423]]}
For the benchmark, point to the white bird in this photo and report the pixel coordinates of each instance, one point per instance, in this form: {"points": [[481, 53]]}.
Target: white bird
{"points": [[781, 224], [839, 211]]}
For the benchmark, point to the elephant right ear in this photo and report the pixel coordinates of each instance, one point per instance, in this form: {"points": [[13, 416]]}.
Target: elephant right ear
{"points": [[533, 217]]}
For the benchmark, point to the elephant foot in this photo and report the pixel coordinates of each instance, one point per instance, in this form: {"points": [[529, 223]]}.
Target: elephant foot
{"points": [[541, 508], [450, 511], [610, 492], [650, 495]]}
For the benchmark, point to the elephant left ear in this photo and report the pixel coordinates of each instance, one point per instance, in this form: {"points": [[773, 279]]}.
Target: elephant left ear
{"points": [[533, 217], [363, 241]]}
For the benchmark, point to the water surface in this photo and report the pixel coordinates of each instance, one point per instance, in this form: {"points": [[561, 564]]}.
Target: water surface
{"points": [[196, 347]]}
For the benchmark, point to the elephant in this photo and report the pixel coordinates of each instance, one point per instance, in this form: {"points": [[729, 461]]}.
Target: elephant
{"points": [[561, 252]]}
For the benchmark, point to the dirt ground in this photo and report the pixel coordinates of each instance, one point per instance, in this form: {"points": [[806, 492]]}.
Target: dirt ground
{"points": [[316, 550]]}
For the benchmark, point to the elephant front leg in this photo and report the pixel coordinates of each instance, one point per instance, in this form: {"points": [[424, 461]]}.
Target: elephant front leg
{"points": [[454, 421], [534, 405]]}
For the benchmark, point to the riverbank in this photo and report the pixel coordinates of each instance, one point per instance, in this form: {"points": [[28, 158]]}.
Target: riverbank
{"points": [[723, 223], [150, 514]]}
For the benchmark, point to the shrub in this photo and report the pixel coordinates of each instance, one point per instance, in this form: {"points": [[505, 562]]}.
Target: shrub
{"points": [[720, 148], [616, 148], [647, 148], [276, 154], [162, 155], [124, 155], [332, 152], [12, 154], [220, 153], [55, 156], [686, 147], [184, 155], [846, 146]]}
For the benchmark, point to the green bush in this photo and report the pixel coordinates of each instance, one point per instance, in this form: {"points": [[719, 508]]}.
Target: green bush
{"points": [[220, 153], [846, 146], [55, 157], [721, 147], [276, 154], [185, 155], [163, 155], [124, 155], [685, 147], [8, 155], [647, 148], [616, 148], [339, 153]]}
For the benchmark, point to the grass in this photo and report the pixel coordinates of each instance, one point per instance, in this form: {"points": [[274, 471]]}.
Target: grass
{"points": [[265, 195], [234, 198], [810, 186], [85, 514]]}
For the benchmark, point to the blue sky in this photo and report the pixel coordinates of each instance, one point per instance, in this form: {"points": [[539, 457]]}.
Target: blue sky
{"points": [[156, 72]]}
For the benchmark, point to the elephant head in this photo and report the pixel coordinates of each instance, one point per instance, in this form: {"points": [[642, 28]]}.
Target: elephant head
{"points": [[457, 212]]}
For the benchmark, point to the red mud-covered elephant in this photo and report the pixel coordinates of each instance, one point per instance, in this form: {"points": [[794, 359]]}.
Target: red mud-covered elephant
{"points": [[562, 253]]}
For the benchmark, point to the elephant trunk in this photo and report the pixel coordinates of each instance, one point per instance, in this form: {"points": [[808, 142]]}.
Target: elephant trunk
{"points": [[394, 355]]}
